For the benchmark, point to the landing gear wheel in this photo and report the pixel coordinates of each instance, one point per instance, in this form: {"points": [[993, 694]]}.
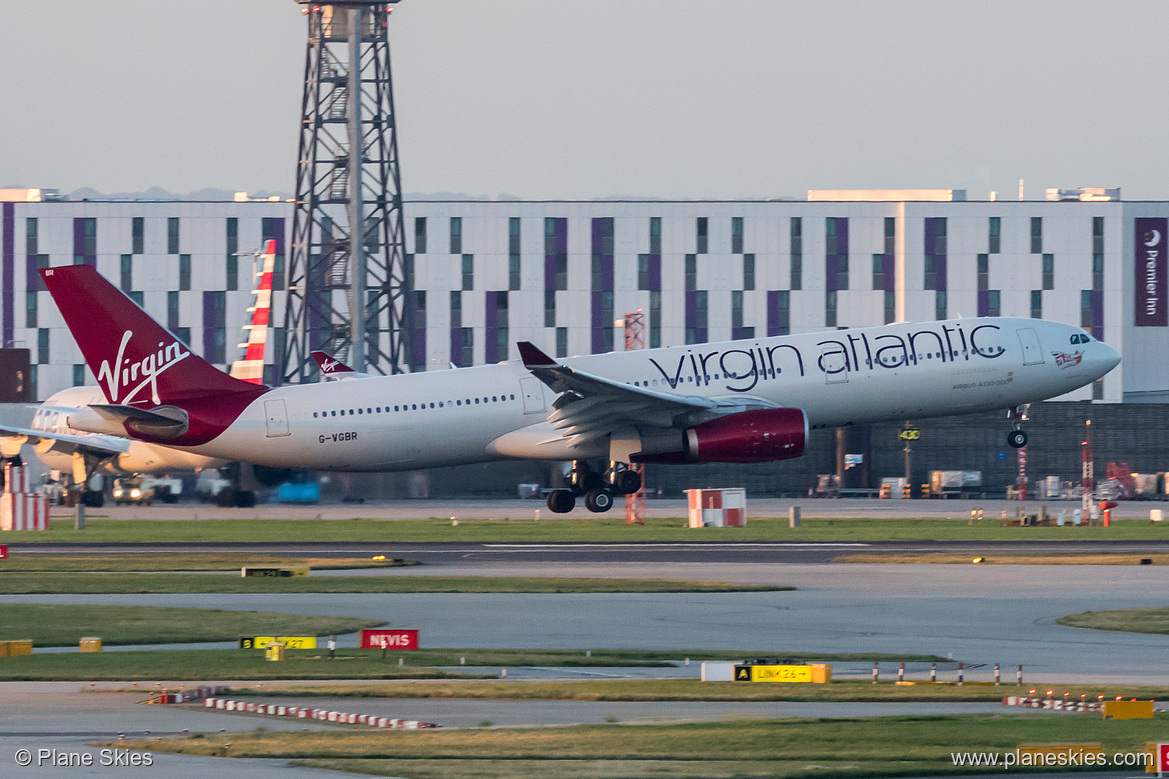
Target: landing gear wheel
{"points": [[627, 482], [561, 501], [93, 499], [1017, 439], [599, 501], [245, 499], [225, 498]]}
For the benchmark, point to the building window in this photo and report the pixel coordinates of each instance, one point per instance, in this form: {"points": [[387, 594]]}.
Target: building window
{"points": [[1037, 235], [30, 309], [830, 308], [232, 249], [138, 235], [1049, 271], [691, 272], [30, 236], [513, 252], [183, 334], [700, 316], [655, 235], [736, 310], [90, 237], [468, 271], [1098, 234], [993, 307], [1036, 304], [983, 272], [778, 312], [598, 276], [797, 252], [748, 271], [1098, 271], [172, 310], [172, 235], [562, 342], [930, 275], [138, 296], [456, 235], [890, 235], [890, 307], [701, 235], [655, 320], [643, 271], [420, 235], [549, 308], [993, 235], [940, 305], [878, 271], [417, 316], [1086, 310], [184, 271], [456, 309], [79, 374], [736, 235], [217, 348], [127, 272], [43, 346]]}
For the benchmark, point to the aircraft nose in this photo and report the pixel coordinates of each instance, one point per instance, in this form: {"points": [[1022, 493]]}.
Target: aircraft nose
{"points": [[1107, 357]]}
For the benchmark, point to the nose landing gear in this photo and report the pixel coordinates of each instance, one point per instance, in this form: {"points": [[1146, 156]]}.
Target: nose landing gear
{"points": [[1017, 438]]}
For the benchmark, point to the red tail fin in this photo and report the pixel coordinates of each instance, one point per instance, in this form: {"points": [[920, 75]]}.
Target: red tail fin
{"points": [[135, 359]]}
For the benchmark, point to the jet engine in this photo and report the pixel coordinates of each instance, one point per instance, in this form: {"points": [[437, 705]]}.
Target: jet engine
{"points": [[757, 436]]}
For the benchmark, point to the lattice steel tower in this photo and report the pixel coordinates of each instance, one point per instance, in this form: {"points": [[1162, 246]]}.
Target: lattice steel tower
{"points": [[347, 279]]}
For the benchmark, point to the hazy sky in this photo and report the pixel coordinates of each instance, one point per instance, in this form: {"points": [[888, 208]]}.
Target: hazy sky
{"points": [[550, 99]]}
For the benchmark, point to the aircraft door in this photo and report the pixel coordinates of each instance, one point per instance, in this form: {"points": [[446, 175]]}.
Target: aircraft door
{"points": [[834, 363], [533, 395], [277, 417], [1032, 351]]}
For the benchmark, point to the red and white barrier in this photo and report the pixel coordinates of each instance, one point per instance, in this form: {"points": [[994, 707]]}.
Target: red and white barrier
{"points": [[725, 507], [1053, 704], [187, 696], [324, 715], [21, 509]]}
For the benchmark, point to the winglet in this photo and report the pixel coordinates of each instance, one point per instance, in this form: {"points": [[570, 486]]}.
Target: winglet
{"points": [[533, 357]]}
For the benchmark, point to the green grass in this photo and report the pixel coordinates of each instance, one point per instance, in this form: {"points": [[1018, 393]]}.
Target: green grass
{"points": [[594, 529], [232, 664], [884, 746], [1123, 620], [184, 561], [210, 665], [695, 690], [64, 625], [126, 583]]}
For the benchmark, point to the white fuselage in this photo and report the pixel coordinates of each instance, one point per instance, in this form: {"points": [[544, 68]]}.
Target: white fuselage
{"points": [[895, 372], [139, 457]]}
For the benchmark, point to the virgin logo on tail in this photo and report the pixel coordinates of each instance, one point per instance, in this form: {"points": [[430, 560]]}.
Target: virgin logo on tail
{"points": [[328, 365], [146, 371]]}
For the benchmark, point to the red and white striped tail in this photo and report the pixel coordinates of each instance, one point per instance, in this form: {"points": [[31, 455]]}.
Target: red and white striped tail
{"points": [[20, 508], [250, 367]]}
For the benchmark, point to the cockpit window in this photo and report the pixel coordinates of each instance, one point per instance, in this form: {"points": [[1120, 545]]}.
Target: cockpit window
{"points": [[1080, 338]]}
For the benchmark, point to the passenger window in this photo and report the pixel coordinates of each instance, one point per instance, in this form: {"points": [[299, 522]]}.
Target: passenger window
{"points": [[493, 399], [334, 412], [314, 415], [358, 411]]}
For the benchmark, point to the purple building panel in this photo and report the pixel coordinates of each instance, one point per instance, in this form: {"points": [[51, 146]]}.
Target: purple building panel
{"points": [[931, 250], [983, 302], [491, 328], [772, 313], [1098, 314], [559, 246], [655, 273]]}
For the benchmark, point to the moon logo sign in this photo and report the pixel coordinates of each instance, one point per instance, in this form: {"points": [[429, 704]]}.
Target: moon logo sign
{"points": [[1152, 238]]}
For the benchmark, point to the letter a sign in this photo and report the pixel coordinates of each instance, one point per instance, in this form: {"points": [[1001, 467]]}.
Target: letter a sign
{"points": [[742, 673]]}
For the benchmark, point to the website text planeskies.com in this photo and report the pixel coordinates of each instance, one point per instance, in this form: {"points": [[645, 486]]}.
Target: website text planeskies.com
{"points": [[1058, 756]]}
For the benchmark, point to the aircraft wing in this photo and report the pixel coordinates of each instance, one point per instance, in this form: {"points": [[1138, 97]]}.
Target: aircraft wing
{"points": [[592, 407], [103, 445]]}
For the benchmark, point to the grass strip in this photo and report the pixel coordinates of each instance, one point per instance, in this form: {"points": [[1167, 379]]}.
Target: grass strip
{"points": [[1004, 558], [596, 528], [897, 746], [132, 583], [1122, 620], [64, 625], [229, 664], [133, 562], [210, 664]]}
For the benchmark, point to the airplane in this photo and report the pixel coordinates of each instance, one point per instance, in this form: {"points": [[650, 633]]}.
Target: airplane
{"points": [[333, 369], [80, 454], [751, 400]]}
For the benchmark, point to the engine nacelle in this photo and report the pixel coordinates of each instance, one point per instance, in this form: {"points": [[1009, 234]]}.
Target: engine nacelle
{"points": [[758, 436]]}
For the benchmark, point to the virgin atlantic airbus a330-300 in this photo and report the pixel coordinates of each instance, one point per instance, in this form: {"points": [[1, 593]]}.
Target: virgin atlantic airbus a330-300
{"points": [[744, 401]]}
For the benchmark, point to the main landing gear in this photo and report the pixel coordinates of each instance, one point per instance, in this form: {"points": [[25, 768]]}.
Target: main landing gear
{"points": [[598, 488], [1017, 438]]}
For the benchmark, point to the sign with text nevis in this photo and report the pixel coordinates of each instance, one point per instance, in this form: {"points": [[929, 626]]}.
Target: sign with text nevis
{"points": [[389, 639]]}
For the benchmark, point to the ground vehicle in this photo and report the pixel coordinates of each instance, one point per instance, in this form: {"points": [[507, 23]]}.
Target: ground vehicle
{"points": [[133, 490]]}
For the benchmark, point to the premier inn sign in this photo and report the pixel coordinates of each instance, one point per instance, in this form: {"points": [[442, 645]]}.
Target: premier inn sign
{"points": [[1151, 308]]}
